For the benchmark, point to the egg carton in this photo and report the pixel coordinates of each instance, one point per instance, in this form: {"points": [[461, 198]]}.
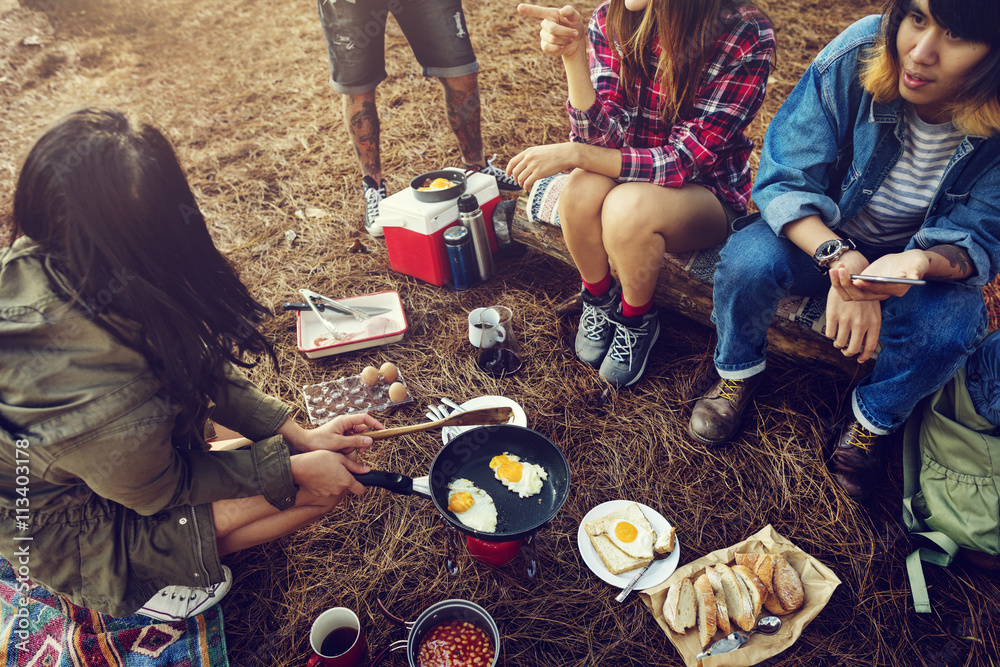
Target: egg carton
{"points": [[349, 395]]}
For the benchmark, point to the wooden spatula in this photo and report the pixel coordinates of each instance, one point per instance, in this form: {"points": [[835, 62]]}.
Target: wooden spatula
{"points": [[480, 417]]}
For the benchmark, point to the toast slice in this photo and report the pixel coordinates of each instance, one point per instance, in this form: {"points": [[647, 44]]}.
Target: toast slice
{"points": [[787, 585], [705, 599], [680, 609], [613, 557], [721, 609]]}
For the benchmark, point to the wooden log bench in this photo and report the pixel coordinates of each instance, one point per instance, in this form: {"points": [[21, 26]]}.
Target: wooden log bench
{"points": [[685, 286]]}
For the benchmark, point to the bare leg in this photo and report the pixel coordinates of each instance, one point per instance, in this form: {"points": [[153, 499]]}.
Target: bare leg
{"points": [[361, 119], [461, 97], [580, 213], [641, 221], [245, 522]]}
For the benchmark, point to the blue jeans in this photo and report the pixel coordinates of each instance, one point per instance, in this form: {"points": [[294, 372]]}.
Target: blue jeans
{"points": [[925, 338]]}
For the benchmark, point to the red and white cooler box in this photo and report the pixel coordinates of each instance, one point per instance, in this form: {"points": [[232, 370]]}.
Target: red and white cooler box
{"points": [[414, 230]]}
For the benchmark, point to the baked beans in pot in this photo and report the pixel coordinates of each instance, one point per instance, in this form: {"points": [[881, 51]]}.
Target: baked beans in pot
{"points": [[451, 633]]}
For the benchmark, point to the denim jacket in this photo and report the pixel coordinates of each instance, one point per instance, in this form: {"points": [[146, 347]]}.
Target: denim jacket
{"points": [[830, 146]]}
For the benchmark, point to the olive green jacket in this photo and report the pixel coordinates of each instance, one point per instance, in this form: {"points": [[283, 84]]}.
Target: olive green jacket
{"points": [[91, 469]]}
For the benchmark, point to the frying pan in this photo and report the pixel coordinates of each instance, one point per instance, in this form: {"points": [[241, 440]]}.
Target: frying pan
{"points": [[468, 456]]}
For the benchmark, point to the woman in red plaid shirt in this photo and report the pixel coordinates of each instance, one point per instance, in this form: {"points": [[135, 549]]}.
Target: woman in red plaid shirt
{"points": [[657, 150]]}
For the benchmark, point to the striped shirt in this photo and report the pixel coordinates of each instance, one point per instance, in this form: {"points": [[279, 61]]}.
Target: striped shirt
{"points": [[708, 147], [899, 207]]}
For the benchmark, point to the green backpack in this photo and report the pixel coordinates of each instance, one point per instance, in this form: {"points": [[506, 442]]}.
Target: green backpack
{"points": [[951, 482]]}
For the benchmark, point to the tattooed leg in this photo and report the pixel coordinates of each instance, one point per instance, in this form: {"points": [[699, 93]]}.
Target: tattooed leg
{"points": [[361, 119], [461, 96]]}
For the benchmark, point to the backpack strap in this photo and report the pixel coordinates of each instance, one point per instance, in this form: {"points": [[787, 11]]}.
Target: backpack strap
{"points": [[946, 549]]}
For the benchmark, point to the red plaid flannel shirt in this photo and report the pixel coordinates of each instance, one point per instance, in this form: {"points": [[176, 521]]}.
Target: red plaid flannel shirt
{"points": [[709, 146]]}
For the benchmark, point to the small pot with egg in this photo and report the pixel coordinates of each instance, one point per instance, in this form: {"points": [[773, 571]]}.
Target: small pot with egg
{"points": [[492, 483], [441, 185], [450, 633]]}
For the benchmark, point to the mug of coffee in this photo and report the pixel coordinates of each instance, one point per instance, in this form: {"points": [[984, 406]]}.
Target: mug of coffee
{"points": [[485, 328], [337, 640]]}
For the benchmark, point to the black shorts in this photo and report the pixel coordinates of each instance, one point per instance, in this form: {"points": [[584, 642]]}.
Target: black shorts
{"points": [[355, 39]]}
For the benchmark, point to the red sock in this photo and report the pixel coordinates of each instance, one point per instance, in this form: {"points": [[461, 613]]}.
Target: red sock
{"points": [[600, 288], [635, 311]]}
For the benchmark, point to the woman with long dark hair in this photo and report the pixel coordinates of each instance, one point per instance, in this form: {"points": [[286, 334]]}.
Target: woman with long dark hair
{"points": [[658, 153], [883, 162], [122, 329]]}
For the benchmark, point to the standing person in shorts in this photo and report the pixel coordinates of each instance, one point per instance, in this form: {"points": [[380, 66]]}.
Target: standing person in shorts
{"points": [[436, 31], [884, 161], [123, 331], [658, 114]]}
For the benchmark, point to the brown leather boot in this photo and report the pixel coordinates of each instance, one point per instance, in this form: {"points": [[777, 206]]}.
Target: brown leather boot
{"points": [[716, 416], [855, 460]]}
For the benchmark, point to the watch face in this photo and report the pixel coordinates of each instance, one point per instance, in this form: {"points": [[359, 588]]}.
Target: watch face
{"points": [[828, 249]]}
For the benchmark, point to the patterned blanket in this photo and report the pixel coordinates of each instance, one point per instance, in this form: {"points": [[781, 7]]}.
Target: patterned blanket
{"points": [[38, 628]]}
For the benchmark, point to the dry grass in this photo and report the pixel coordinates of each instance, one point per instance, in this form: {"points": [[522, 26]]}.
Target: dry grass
{"points": [[241, 90]]}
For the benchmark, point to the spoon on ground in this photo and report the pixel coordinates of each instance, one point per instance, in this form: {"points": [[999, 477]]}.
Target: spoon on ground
{"points": [[767, 625]]}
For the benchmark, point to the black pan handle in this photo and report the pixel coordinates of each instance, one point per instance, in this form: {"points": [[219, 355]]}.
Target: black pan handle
{"points": [[387, 480]]}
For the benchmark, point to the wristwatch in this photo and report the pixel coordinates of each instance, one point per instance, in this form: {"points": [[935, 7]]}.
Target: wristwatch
{"points": [[830, 251]]}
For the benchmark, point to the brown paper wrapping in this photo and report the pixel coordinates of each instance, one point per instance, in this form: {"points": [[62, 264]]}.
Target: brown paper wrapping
{"points": [[818, 581]]}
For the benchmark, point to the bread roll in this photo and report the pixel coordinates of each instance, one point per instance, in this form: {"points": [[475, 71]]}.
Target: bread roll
{"points": [[705, 599], [764, 569], [721, 609], [787, 585], [747, 560], [680, 609]]}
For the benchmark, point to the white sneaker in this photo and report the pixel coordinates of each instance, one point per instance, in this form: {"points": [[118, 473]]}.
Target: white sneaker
{"points": [[175, 603]]}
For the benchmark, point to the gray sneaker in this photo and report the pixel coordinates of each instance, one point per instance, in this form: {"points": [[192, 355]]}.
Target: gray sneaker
{"points": [[593, 337], [626, 359], [374, 194], [504, 182], [175, 603]]}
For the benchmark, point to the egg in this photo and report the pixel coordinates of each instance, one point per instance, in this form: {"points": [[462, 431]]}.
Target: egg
{"points": [[524, 479], [472, 506], [397, 392], [369, 376], [389, 372], [633, 540]]}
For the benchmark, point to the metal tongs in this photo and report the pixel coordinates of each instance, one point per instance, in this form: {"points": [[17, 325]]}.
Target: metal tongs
{"points": [[311, 299]]}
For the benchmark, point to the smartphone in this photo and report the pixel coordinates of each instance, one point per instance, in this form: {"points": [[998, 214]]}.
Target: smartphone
{"points": [[884, 279]]}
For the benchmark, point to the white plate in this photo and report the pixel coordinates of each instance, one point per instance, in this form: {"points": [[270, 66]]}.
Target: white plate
{"points": [[520, 419], [657, 573]]}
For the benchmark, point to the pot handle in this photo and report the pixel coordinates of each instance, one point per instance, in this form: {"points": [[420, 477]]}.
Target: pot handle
{"points": [[394, 646], [389, 615], [387, 480]]}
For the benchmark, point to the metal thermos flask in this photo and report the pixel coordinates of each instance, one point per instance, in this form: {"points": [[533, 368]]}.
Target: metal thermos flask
{"points": [[461, 257], [471, 217]]}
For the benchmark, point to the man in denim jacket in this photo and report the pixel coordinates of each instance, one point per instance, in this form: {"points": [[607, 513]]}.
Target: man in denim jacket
{"points": [[883, 161]]}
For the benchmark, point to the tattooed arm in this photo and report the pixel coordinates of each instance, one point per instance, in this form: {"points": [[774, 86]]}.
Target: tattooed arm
{"points": [[948, 262], [940, 262]]}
